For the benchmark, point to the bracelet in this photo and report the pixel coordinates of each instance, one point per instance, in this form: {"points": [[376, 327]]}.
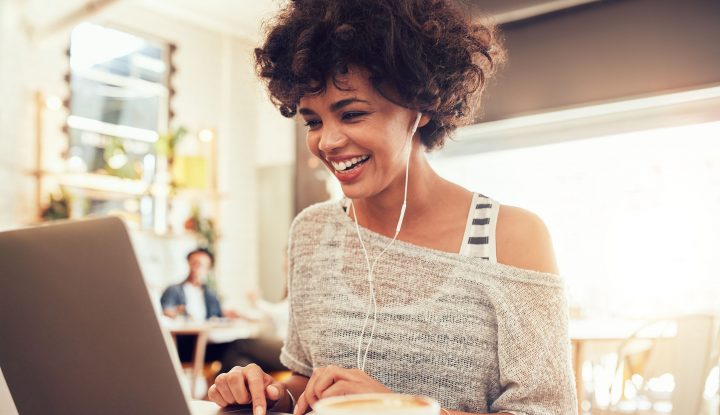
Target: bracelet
{"points": [[292, 398], [293, 402]]}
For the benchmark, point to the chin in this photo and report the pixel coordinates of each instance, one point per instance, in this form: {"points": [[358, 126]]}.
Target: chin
{"points": [[353, 191], [356, 191], [350, 194]]}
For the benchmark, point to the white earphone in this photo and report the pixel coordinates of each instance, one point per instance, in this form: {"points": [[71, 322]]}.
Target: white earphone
{"points": [[371, 268]]}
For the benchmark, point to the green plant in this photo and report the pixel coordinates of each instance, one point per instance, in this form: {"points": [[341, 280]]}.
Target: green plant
{"points": [[165, 146], [166, 143], [204, 228], [58, 207], [116, 160]]}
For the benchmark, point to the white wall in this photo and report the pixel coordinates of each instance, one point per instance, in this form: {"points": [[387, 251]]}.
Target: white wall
{"points": [[276, 144], [275, 160], [16, 148]]}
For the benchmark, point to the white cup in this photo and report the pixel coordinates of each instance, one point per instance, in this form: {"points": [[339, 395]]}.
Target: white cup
{"points": [[377, 404]]}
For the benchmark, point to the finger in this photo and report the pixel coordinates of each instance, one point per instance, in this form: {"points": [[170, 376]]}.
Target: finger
{"points": [[301, 406], [215, 396], [275, 391], [221, 382], [328, 377], [267, 379], [236, 384], [356, 374], [310, 387], [339, 388], [324, 380], [256, 385]]}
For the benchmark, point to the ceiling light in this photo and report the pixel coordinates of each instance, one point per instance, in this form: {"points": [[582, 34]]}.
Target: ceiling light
{"points": [[53, 103]]}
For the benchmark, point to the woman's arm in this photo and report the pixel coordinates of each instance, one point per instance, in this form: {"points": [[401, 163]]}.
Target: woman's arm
{"points": [[523, 241], [535, 364]]}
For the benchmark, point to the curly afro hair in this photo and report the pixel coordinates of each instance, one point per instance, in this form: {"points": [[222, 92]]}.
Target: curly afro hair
{"points": [[434, 59]]}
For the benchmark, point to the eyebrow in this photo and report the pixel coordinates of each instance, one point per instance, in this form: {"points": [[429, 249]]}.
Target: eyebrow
{"points": [[335, 106]]}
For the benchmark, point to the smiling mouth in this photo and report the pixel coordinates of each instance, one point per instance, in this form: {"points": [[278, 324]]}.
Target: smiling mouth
{"points": [[349, 165]]}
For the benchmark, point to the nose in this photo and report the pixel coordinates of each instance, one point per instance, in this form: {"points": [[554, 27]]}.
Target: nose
{"points": [[331, 139]]}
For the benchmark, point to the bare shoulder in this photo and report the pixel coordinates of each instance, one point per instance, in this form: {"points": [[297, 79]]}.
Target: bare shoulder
{"points": [[523, 240]]}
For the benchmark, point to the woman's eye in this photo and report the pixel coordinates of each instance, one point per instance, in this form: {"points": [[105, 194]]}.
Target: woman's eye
{"points": [[312, 123], [353, 115]]}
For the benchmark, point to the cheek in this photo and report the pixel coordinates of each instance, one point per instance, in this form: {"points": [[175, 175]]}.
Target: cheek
{"points": [[390, 150], [313, 141]]}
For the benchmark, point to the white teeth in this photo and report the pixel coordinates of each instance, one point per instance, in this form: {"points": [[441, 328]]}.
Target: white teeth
{"points": [[344, 165]]}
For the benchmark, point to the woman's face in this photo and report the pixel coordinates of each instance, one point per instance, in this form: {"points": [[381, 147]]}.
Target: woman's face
{"points": [[362, 138]]}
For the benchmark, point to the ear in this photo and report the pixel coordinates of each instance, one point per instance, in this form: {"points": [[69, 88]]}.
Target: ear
{"points": [[424, 120]]}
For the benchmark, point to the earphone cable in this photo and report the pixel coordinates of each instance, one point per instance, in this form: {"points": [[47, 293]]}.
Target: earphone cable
{"points": [[371, 269]]}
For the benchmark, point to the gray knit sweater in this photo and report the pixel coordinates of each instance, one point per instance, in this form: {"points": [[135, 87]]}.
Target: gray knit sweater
{"points": [[477, 336]]}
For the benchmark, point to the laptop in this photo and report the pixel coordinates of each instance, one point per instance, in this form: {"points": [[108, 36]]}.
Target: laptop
{"points": [[78, 332]]}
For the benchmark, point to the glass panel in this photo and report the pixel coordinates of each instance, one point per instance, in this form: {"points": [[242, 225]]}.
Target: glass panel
{"points": [[102, 49], [117, 78], [97, 153], [136, 208], [114, 104]]}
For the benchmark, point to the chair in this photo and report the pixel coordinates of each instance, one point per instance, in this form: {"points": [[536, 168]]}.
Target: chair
{"points": [[662, 368]]}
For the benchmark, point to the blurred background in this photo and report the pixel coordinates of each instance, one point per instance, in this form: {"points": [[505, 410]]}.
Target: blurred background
{"points": [[605, 122]]}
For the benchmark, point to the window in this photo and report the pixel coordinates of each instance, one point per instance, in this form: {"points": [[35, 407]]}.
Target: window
{"points": [[634, 216], [119, 101]]}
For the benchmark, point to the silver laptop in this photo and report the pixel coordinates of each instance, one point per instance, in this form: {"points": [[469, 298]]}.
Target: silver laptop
{"points": [[78, 333]]}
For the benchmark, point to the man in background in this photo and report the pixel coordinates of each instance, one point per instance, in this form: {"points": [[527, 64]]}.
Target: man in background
{"points": [[192, 298], [194, 301]]}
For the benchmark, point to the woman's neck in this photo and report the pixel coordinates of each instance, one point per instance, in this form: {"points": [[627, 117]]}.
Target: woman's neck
{"points": [[381, 212]]}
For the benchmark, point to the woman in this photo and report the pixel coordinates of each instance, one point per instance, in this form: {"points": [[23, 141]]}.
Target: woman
{"points": [[412, 284]]}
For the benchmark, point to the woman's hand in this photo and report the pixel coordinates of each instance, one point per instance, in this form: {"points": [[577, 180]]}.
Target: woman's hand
{"points": [[245, 385], [336, 381]]}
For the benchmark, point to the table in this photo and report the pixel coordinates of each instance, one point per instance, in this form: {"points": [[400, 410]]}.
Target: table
{"points": [[220, 331]]}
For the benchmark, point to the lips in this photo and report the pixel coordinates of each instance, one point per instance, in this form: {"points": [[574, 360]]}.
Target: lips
{"points": [[351, 171]]}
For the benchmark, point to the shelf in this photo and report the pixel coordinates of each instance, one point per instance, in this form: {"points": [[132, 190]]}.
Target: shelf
{"points": [[103, 183], [197, 194], [126, 82], [112, 184], [112, 130]]}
